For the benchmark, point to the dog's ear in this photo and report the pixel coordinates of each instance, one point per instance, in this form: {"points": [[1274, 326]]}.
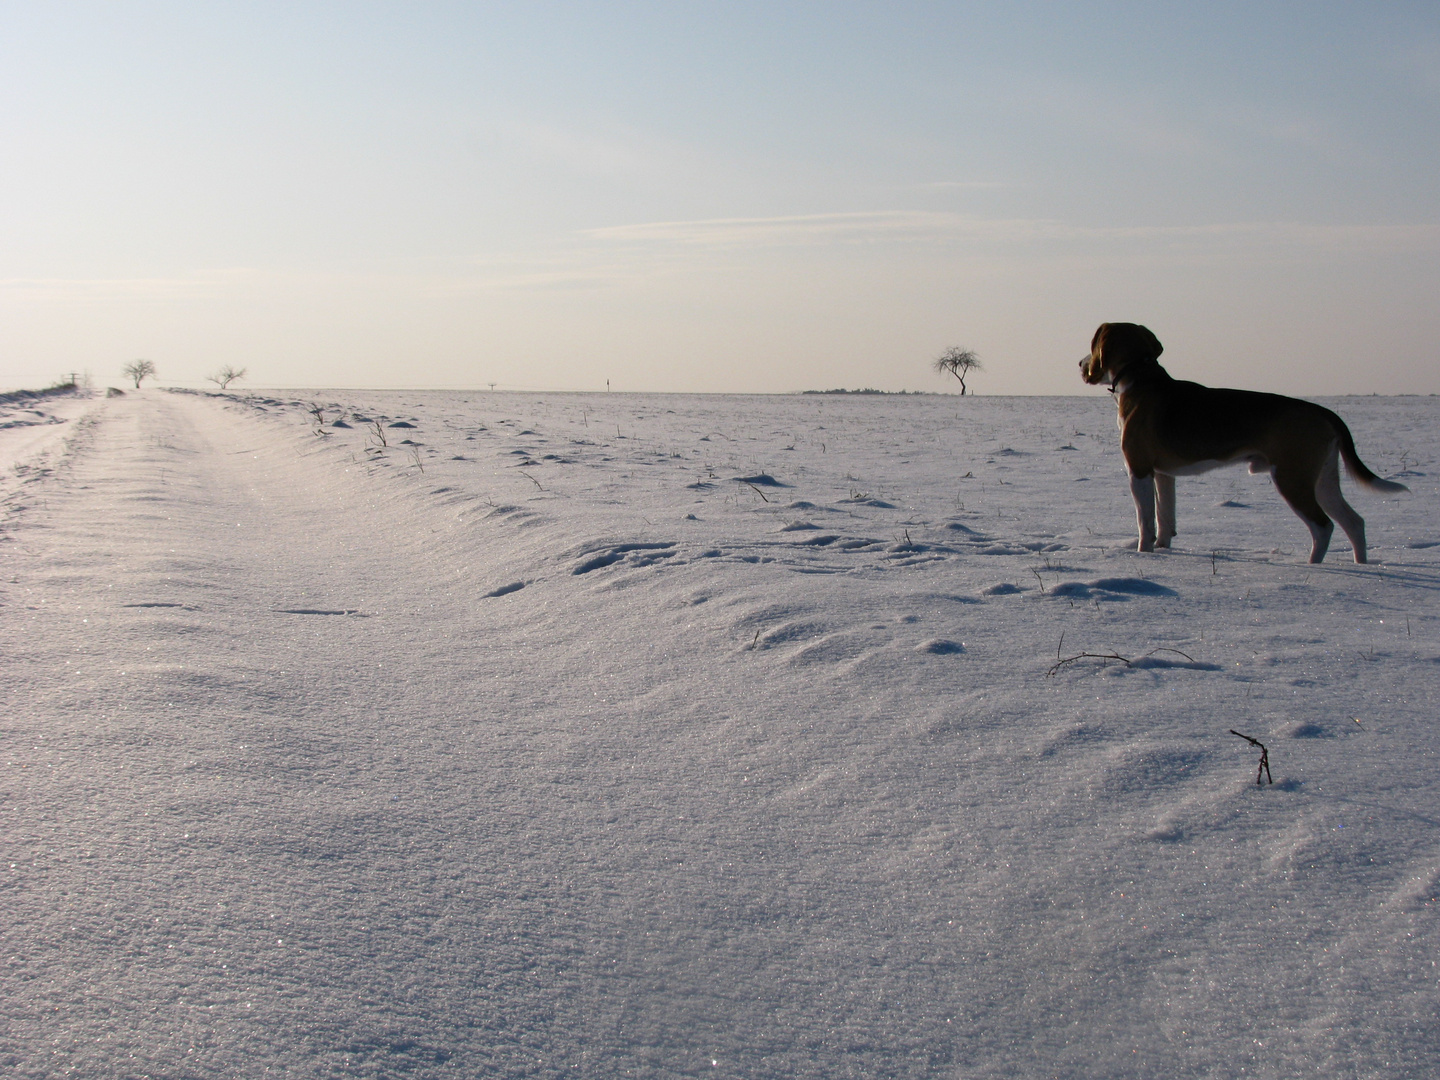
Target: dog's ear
{"points": [[1149, 342]]}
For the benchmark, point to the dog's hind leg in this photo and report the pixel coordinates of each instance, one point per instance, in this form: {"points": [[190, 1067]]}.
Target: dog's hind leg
{"points": [[1298, 488], [1142, 490], [1327, 493], [1164, 508]]}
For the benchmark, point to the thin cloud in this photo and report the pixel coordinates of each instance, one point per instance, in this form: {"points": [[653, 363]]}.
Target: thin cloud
{"points": [[136, 289], [613, 256], [923, 226], [963, 185], [800, 228], [585, 152]]}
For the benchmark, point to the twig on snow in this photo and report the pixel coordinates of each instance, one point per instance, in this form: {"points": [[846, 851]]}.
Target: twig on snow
{"points": [[1177, 652], [1264, 768], [1088, 656], [1106, 656], [377, 432]]}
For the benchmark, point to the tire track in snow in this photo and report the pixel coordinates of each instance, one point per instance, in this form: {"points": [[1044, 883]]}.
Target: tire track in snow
{"points": [[264, 837]]}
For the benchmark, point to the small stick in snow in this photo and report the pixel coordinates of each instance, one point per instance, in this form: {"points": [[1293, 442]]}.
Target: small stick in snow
{"points": [[1087, 656], [1264, 769], [1177, 652], [1106, 656]]}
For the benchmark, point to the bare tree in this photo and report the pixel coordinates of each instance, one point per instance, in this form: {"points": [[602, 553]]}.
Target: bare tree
{"points": [[958, 362], [226, 375], [138, 370]]}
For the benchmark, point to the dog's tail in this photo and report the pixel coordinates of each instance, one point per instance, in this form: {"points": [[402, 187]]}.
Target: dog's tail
{"points": [[1355, 467]]}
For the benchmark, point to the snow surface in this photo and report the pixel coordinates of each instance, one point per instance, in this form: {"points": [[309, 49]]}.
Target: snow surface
{"points": [[728, 736]]}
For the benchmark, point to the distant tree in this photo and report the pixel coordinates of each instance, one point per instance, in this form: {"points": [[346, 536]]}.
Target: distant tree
{"points": [[226, 375], [958, 362], [138, 370]]}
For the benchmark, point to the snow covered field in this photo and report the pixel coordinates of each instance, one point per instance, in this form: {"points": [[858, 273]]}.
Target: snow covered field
{"points": [[660, 736]]}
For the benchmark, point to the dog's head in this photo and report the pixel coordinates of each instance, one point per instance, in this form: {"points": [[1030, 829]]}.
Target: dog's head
{"points": [[1116, 346]]}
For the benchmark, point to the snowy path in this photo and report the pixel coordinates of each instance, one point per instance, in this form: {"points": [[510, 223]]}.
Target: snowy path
{"points": [[462, 760]]}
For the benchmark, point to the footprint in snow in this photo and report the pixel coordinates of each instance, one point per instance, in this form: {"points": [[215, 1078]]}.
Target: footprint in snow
{"points": [[1176, 660], [787, 634], [966, 531], [835, 648], [1306, 730], [1110, 589], [941, 647], [759, 480], [1002, 589], [1146, 769], [638, 554], [505, 590], [515, 514]]}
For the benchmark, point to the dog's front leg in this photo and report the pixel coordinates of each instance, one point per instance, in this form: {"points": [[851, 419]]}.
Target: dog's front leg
{"points": [[1142, 490], [1165, 508]]}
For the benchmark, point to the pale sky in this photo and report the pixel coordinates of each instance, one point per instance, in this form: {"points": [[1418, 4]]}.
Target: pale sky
{"points": [[727, 197]]}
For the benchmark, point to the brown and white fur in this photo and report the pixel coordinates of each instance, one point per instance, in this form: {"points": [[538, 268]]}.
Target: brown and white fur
{"points": [[1171, 428]]}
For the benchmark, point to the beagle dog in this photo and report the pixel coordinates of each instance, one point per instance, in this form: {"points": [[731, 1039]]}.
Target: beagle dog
{"points": [[1170, 428]]}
